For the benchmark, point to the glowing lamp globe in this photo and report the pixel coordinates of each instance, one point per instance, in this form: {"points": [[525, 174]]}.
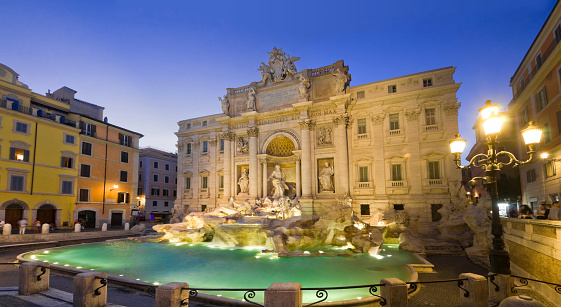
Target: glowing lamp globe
{"points": [[489, 110], [531, 134], [457, 145], [492, 125], [544, 155]]}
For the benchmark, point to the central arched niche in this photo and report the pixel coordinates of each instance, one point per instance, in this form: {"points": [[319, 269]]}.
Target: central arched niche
{"points": [[281, 146]]}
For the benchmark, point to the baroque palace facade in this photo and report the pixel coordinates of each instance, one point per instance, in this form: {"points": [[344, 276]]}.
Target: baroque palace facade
{"points": [[383, 144]]}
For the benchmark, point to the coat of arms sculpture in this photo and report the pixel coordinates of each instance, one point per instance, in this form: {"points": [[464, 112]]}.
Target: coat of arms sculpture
{"points": [[280, 67]]}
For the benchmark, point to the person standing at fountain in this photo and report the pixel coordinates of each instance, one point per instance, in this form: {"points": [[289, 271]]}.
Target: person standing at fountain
{"points": [[22, 225], [278, 179], [243, 182], [325, 182]]}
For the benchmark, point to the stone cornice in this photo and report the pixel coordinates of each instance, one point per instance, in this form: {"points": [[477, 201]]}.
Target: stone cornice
{"points": [[415, 95]]}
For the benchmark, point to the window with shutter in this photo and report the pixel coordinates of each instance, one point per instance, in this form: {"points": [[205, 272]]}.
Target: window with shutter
{"points": [[124, 176], [67, 162], [16, 183], [363, 173], [84, 195], [396, 172], [19, 154], [394, 121], [124, 157], [85, 170], [434, 169], [67, 187], [87, 148]]}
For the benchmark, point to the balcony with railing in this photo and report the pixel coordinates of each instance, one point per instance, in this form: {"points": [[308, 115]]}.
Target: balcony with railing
{"points": [[362, 136], [364, 188], [435, 185], [394, 132], [397, 187], [431, 128], [400, 183], [37, 113]]}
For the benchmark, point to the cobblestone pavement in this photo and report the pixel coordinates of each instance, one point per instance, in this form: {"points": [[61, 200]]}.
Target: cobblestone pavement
{"points": [[444, 294], [448, 294]]}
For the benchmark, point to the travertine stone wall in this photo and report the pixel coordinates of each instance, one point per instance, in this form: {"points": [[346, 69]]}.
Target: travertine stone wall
{"points": [[535, 251]]}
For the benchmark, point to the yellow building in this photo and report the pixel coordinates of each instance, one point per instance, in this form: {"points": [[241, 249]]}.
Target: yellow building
{"points": [[38, 155]]}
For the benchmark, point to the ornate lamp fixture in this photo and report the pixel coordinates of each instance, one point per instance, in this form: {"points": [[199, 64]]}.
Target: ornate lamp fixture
{"points": [[492, 122]]}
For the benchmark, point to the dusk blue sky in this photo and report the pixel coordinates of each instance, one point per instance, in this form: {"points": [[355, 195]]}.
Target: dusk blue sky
{"points": [[154, 63]]}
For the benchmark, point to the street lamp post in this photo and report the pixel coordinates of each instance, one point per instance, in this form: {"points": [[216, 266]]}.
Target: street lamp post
{"points": [[492, 122]]}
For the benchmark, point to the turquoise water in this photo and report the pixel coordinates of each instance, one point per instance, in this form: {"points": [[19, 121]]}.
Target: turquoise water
{"points": [[203, 265]]}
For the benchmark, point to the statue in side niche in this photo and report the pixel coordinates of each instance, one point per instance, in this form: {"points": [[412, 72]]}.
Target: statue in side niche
{"points": [[325, 182], [243, 182]]}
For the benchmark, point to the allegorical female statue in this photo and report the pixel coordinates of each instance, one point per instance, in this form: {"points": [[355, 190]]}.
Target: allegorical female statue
{"points": [[225, 105], [325, 182], [251, 100], [243, 182], [278, 179]]}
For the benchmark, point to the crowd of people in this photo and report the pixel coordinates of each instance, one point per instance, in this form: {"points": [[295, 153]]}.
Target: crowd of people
{"points": [[543, 212]]}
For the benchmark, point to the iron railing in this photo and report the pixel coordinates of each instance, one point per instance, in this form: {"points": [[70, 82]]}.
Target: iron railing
{"points": [[248, 295], [29, 111], [413, 286], [524, 282]]}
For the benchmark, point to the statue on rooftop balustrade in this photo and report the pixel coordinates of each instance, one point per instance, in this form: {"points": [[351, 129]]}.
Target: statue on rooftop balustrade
{"points": [[225, 105]]}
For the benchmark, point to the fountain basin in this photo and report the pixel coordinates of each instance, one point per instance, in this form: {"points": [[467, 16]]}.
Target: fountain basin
{"points": [[204, 265]]}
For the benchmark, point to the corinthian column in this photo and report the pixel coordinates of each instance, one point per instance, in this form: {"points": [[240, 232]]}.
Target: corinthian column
{"points": [[342, 170], [298, 183], [227, 164], [253, 161], [305, 127]]}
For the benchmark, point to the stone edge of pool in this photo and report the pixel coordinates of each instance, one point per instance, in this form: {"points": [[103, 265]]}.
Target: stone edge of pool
{"points": [[424, 267]]}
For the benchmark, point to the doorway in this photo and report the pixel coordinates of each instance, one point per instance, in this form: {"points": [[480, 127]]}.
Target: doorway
{"points": [[87, 218], [116, 218], [14, 213], [47, 214]]}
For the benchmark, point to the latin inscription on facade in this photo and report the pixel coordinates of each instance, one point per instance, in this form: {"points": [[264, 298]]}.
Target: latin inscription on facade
{"points": [[277, 120], [289, 95]]}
